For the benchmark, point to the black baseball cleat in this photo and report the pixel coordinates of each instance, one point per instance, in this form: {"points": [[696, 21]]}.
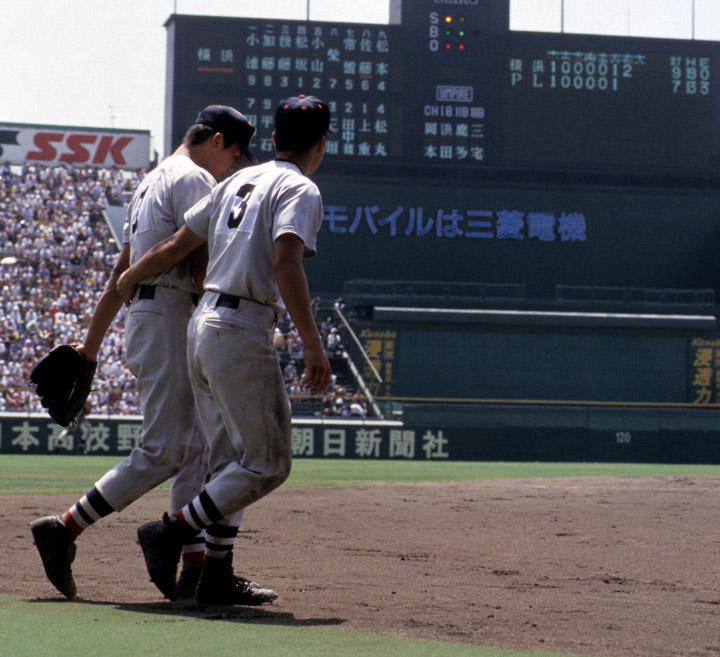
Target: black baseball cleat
{"points": [[161, 543], [187, 582], [218, 585], [57, 551]]}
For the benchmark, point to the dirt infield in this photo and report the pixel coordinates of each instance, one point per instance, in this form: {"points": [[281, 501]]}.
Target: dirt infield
{"points": [[627, 567]]}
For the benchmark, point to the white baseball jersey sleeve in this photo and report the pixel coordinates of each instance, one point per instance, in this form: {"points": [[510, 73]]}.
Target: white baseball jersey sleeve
{"points": [[243, 217], [157, 210]]}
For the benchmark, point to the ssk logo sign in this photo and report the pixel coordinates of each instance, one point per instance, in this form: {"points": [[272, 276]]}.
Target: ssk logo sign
{"points": [[79, 146]]}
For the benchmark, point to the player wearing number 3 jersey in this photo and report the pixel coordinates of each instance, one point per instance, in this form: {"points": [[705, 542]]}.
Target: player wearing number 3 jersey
{"points": [[259, 225]]}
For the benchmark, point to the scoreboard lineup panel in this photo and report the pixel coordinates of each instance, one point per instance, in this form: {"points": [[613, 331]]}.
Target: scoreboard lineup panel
{"points": [[255, 64], [259, 63], [451, 87]]}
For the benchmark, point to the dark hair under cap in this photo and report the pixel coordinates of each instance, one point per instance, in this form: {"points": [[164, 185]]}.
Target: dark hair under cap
{"points": [[300, 121], [236, 128]]}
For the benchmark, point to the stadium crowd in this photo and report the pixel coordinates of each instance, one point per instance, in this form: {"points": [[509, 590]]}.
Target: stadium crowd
{"points": [[56, 253]]}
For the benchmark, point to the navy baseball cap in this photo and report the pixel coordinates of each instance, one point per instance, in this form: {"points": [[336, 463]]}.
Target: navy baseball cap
{"points": [[230, 122], [303, 115]]}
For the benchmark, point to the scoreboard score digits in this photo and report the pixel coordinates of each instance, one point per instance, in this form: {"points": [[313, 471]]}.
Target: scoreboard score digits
{"points": [[450, 91], [647, 108]]}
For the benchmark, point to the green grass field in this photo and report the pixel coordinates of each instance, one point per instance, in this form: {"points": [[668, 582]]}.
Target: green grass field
{"points": [[57, 628], [75, 474]]}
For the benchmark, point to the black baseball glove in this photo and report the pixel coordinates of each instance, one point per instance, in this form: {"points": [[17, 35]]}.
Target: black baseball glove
{"points": [[62, 381]]}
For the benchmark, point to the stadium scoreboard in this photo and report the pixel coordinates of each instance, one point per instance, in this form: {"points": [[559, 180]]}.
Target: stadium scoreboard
{"points": [[448, 90]]}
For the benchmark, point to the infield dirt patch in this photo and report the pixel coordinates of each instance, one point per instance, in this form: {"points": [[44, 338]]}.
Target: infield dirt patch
{"points": [[598, 566]]}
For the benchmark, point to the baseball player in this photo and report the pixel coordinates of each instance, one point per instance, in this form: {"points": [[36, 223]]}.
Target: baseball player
{"points": [[259, 225], [172, 447]]}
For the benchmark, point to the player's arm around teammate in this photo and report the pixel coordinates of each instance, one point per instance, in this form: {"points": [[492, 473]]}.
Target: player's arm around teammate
{"points": [[110, 300], [288, 254], [160, 257]]}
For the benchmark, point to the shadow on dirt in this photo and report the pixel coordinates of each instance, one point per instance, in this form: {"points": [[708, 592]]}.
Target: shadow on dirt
{"points": [[264, 615]]}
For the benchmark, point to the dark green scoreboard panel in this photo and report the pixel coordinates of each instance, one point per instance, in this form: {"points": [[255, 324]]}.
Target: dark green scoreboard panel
{"points": [[450, 91], [537, 237], [621, 105], [467, 152]]}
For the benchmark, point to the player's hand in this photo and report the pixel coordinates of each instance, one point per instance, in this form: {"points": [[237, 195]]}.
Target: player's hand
{"points": [[317, 369], [125, 287], [90, 354]]}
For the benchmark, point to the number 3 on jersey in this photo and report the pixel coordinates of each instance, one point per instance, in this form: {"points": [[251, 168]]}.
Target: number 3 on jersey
{"points": [[238, 212]]}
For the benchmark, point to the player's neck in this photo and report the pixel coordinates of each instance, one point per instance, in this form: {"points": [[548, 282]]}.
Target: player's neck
{"points": [[184, 150], [298, 159], [307, 161]]}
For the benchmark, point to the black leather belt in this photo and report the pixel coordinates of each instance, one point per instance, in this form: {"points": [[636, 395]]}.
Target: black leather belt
{"points": [[229, 301], [148, 292]]}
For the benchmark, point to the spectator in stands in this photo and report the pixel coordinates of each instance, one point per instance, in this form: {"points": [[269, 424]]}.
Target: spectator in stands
{"points": [[290, 372], [357, 409], [325, 327], [334, 345], [55, 253], [279, 340], [328, 403], [295, 389], [291, 339]]}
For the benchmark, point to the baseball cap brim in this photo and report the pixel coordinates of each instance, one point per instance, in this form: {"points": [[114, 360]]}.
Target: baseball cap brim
{"points": [[231, 123], [248, 153]]}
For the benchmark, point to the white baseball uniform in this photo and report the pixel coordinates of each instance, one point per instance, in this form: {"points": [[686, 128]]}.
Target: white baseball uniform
{"points": [[234, 368], [156, 341]]}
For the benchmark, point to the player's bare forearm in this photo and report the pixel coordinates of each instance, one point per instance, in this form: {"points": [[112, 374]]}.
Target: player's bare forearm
{"points": [[293, 288], [198, 265], [103, 315], [288, 253], [159, 258], [106, 309], [317, 368]]}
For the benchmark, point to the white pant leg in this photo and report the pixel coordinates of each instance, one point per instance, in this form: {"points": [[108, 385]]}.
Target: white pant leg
{"points": [[192, 475], [241, 400], [156, 338]]}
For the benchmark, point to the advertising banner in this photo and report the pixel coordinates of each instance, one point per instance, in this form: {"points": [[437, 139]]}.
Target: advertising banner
{"points": [[117, 436], [101, 147]]}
